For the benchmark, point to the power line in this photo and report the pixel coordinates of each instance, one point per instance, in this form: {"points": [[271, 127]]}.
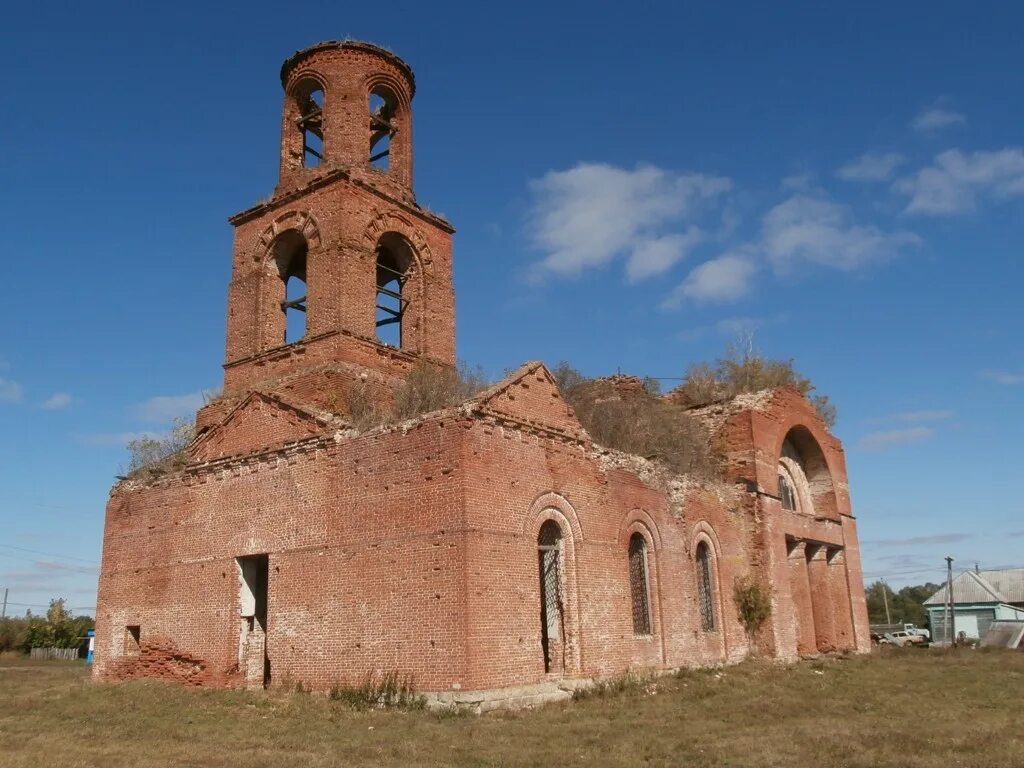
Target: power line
{"points": [[49, 554]]}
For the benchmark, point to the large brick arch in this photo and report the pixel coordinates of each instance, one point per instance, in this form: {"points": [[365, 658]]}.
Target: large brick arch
{"points": [[820, 489]]}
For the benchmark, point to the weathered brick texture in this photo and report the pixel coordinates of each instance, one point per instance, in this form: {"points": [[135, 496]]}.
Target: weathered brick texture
{"points": [[415, 547]]}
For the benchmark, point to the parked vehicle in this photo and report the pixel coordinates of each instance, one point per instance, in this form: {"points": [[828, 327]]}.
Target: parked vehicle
{"points": [[904, 638]]}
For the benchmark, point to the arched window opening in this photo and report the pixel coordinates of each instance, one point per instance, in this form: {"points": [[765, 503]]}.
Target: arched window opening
{"points": [[289, 253], [310, 101], [549, 556], [382, 128], [787, 494], [705, 587], [394, 263], [639, 585]]}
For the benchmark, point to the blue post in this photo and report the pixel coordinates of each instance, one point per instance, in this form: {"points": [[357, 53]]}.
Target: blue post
{"points": [[91, 634]]}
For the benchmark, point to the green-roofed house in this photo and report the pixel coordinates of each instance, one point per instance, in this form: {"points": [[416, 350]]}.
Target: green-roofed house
{"points": [[979, 598]]}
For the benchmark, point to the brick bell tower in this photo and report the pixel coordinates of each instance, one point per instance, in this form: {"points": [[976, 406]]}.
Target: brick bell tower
{"points": [[341, 265]]}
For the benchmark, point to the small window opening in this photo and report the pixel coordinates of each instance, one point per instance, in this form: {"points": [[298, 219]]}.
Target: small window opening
{"points": [[290, 251], [705, 588], [786, 493], [310, 123], [549, 554], [639, 584], [382, 128], [132, 640], [394, 259]]}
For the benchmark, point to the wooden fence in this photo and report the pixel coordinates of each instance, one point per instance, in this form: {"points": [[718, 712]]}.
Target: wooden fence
{"points": [[67, 654]]}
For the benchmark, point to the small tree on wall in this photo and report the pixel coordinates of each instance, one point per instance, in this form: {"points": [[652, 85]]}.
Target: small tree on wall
{"points": [[753, 606]]}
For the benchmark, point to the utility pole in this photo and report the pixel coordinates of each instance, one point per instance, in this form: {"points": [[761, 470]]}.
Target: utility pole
{"points": [[3, 613], [950, 605], [885, 598]]}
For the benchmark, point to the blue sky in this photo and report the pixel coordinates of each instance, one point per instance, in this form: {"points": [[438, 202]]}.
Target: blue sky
{"points": [[632, 184]]}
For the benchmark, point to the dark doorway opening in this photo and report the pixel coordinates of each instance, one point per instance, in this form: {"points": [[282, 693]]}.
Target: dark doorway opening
{"points": [[253, 658]]}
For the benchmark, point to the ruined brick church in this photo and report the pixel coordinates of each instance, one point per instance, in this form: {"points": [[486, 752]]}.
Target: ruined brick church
{"points": [[491, 551]]}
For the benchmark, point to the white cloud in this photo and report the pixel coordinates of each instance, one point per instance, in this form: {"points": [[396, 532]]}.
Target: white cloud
{"points": [[652, 257], [798, 182], [935, 118], [1003, 377], [590, 214], [956, 180], [875, 441], [814, 230], [57, 401], [10, 391], [166, 407], [725, 278], [913, 416], [871, 167]]}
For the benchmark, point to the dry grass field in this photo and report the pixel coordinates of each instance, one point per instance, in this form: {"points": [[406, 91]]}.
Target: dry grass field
{"points": [[902, 708]]}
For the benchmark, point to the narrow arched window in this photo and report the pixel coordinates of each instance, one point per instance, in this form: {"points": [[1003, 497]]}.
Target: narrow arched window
{"points": [[787, 494], [382, 106], [705, 587], [309, 97], [289, 253], [394, 263], [639, 588], [549, 559]]}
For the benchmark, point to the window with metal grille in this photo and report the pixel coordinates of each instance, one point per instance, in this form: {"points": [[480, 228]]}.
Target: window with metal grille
{"points": [[705, 587], [549, 557], [638, 584], [786, 493]]}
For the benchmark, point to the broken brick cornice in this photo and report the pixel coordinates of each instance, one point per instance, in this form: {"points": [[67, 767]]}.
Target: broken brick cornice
{"points": [[354, 45], [326, 178]]}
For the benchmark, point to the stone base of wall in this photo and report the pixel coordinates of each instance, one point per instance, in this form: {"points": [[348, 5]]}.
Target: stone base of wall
{"points": [[516, 697]]}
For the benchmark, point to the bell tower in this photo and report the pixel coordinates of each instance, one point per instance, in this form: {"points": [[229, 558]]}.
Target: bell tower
{"points": [[340, 265]]}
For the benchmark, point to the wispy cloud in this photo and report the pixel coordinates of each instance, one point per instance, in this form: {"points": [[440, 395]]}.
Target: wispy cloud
{"points": [[727, 326], [875, 441], [116, 438], [725, 278], [808, 229], [871, 167], [935, 118], [10, 391], [57, 401], [593, 213], [917, 416], [1015, 534], [956, 181], [1003, 377], [939, 538], [164, 408]]}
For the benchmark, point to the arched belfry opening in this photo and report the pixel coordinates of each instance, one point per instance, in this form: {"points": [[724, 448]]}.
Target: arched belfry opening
{"points": [[395, 262], [309, 102], [289, 253], [383, 107]]}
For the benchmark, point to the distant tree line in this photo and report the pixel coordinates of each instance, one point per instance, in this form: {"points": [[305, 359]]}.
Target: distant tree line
{"points": [[59, 628], [905, 606]]}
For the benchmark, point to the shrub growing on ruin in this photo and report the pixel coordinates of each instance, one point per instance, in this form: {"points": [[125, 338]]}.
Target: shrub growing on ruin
{"points": [[638, 422], [747, 370], [432, 387], [161, 453], [428, 387], [753, 605]]}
